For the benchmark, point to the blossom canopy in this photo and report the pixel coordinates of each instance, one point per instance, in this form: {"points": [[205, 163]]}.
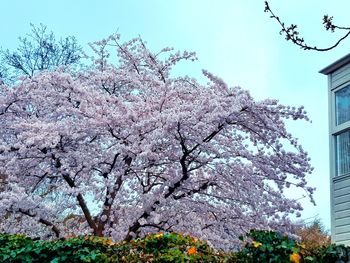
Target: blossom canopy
{"points": [[124, 149]]}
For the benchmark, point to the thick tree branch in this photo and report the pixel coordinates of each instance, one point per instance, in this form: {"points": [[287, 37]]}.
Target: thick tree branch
{"points": [[82, 203], [110, 196]]}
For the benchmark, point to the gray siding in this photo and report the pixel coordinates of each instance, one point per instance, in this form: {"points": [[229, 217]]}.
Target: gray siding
{"points": [[340, 76], [341, 210], [340, 185]]}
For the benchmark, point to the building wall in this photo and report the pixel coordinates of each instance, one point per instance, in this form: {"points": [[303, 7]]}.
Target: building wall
{"points": [[340, 76], [341, 210], [340, 185]]}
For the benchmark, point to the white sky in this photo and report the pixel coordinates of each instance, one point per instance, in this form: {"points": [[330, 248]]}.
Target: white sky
{"points": [[234, 39]]}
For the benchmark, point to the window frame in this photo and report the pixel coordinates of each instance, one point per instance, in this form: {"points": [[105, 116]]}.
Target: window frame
{"points": [[336, 129], [335, 104]]}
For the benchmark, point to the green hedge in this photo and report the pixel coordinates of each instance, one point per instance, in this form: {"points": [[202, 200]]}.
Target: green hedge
{"points": [[269, 246], [260, 246], [170, 247]]}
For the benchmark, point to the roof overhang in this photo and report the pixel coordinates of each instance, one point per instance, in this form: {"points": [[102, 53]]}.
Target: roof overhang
{"points": [[336, 65]]}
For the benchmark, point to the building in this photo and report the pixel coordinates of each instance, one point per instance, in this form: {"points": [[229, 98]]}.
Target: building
{"points": [[339, 141]]}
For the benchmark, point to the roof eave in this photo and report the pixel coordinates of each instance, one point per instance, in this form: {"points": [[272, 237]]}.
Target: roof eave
{"points": [[336, 65]]}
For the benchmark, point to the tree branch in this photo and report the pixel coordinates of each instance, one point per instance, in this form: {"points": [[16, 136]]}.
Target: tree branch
{"points": [[42, 221], [82, 203], [291, 33], [203, 187]]}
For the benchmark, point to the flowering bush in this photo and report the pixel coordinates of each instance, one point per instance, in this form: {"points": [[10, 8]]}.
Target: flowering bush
{"points": [[161, 247], [261, 246], [269, 246]]}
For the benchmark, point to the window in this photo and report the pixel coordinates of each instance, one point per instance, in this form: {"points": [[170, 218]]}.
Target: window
{"points": [[341, 131], [343, 153], [342, 105]]}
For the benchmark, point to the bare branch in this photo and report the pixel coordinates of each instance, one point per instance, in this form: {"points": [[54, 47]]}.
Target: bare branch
{"points": [[291, 33], [42, 221]]}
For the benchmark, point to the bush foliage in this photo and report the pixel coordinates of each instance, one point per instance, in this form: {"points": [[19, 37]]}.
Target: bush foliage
{"points": [[260, 246], [269, 246], [160, 247], [313, 235]]}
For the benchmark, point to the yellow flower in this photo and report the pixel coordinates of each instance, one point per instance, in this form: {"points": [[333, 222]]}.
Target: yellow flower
{"points": [[295, 258], [160, 235], [256, 244], [191, 251]]}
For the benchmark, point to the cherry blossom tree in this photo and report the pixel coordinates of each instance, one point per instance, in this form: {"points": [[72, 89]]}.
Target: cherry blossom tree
{"points": [[125, 149]]}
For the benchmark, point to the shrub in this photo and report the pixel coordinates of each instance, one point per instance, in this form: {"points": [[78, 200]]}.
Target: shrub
{"points": [[161, 247], [314, 234], [261, 246], [169, 247], [268, 246], [327, 254], [18, 248]]}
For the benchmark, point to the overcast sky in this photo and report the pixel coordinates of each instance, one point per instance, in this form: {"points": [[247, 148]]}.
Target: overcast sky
{"points": [[234, 39]]}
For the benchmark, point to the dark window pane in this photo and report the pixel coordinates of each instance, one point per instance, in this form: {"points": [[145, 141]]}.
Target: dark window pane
{"points": [[342, 105], [343, 153]]}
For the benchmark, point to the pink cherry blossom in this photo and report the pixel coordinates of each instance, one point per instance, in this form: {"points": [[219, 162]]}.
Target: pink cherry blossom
{"points": [[125, 149]]}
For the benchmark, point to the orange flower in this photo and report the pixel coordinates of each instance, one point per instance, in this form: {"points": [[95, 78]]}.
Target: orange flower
{"points": [[295, 258], [191, 251], [109, 242]]}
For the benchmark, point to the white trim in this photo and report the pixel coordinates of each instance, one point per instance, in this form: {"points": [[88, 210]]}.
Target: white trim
{"points": [[332, 171]]}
